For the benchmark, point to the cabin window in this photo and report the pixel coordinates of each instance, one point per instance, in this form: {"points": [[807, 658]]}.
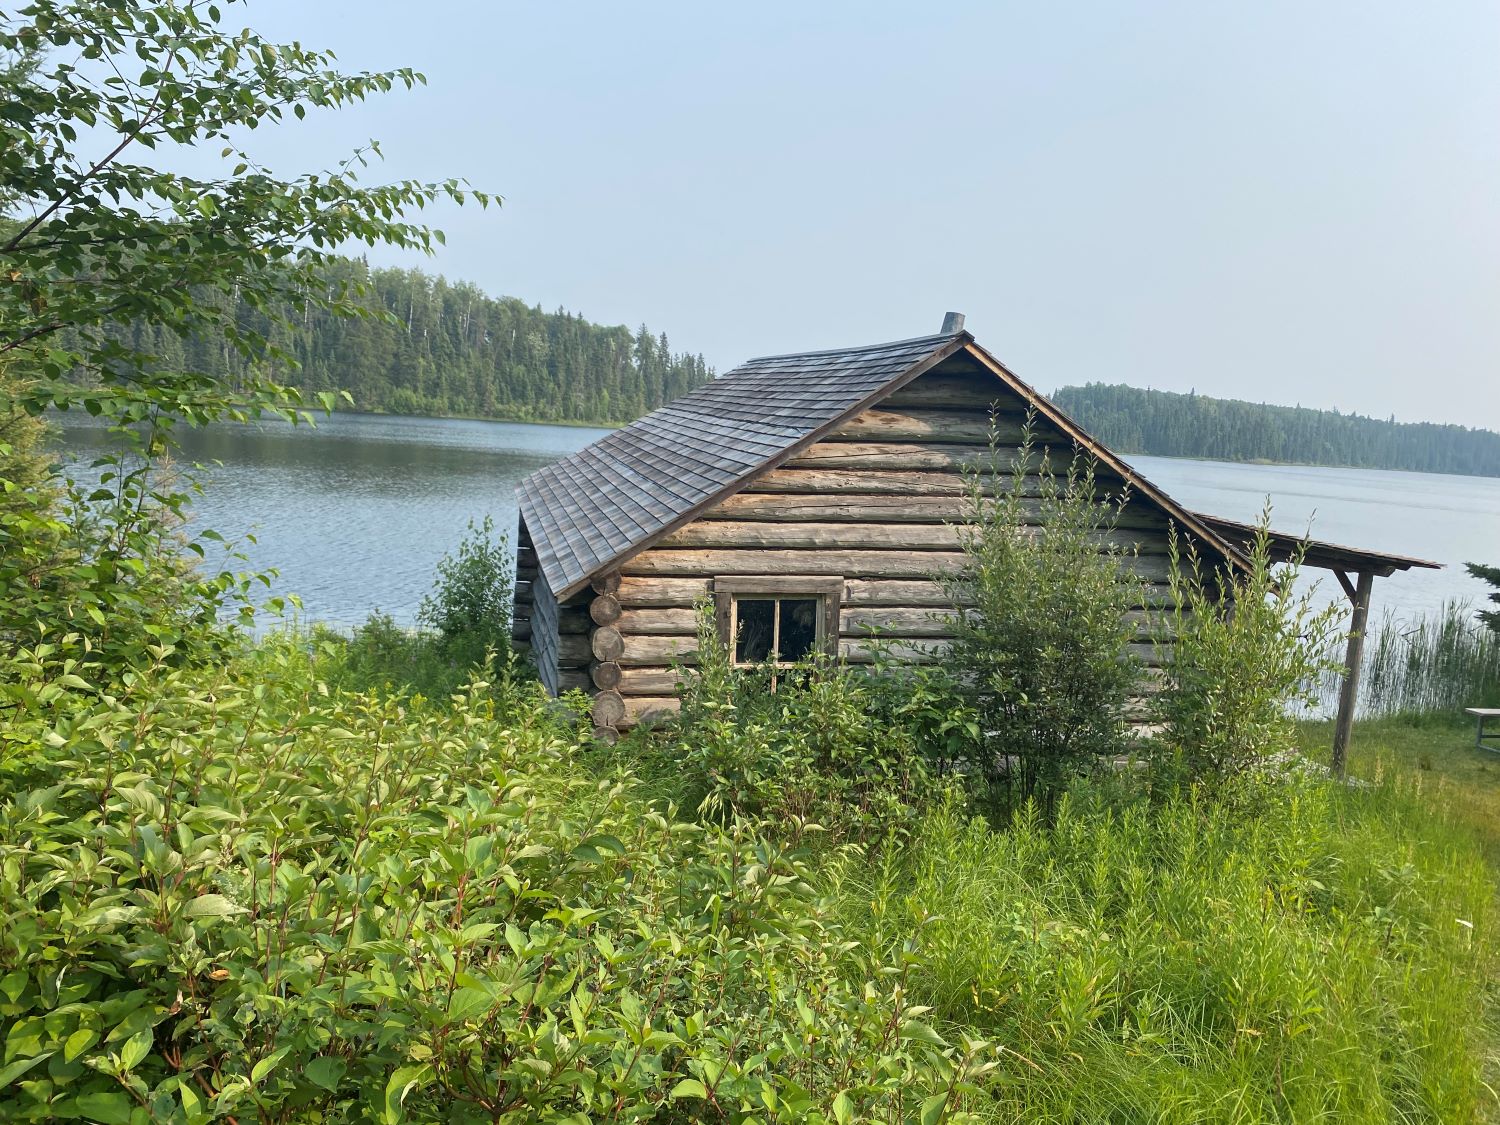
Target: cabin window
{"points": [[778, 620]]}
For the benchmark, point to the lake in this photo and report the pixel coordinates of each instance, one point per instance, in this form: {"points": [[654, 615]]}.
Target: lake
{"points": [[356, 513]]}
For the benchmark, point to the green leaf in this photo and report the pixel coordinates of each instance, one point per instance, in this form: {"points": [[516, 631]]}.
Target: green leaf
{"points": [[932, 1108], [20, 1067], [325, 1071], [919, 1032], [110, 1108], [689, 1088], [212, 906], [403, 1082], [79, 1042], [843, 1108], [136, 1048], [267, 1064]]}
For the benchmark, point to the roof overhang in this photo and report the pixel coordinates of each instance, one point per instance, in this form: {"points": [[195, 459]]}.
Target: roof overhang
{"points": [[1318, 553]]}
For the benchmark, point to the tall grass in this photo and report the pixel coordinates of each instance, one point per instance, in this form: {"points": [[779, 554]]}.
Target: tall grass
{"points": [[1440, 663], [1183, 963]]}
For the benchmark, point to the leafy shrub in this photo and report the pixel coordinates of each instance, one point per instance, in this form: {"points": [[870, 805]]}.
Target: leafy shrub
{"points": [[470, 605], [466, 621], [237, 893], [1041, 655], [815, 752], [1239, 667]]}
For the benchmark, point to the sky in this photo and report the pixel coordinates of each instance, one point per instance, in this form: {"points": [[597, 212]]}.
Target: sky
{"points": [[1280, 201]]}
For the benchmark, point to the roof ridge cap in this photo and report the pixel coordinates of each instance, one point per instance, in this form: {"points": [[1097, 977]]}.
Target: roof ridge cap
{"points": [[934, 337]]}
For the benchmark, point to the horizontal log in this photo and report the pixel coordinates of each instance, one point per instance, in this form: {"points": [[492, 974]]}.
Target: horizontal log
{"points": [[843, 508], [861, 564], [671, 622], [917, 651], [572, 679], [650, 681], [815, 536], [891, 455], [643, 591], [605, 583], [917, 621], [848, 564], [862, 508], [903, 621], [646, 709], [969, 427], [574, 651], [647, 650], [605, 674], [942, 390], [907, 480], [867, 592]]}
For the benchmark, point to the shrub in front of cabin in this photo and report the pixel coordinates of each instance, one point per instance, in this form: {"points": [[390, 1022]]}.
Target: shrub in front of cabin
{"points": [[818, 753], [1040, 656], [1248, 649]]}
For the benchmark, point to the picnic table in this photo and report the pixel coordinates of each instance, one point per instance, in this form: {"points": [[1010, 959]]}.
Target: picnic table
{"points": [[1480, 738]]}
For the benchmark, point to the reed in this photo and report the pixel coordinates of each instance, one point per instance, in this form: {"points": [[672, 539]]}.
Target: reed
{"points": [[1435, 664]]}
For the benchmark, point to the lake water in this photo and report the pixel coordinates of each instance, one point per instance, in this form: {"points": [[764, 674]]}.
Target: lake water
{"points": [[357, 512]]}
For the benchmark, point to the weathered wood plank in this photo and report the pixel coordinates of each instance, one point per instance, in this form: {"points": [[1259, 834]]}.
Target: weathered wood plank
{"points": [[874, 592]]}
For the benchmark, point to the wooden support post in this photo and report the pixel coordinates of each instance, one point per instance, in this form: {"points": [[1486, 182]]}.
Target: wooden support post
{"points": [[1353, 658]]}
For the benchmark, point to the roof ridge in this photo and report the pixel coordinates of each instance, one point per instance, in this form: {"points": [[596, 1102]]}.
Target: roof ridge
{"points": [[854, 350]]}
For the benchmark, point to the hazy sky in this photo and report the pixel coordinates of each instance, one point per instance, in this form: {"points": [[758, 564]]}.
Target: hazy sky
{"points": [[1289, 202]]}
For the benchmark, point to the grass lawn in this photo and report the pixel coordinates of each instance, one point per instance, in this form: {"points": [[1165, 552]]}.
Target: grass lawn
{"points": [[1439, 751]]}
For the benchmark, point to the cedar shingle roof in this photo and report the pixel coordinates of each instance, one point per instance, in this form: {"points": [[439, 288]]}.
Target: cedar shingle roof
{"points": [[611, 498]]}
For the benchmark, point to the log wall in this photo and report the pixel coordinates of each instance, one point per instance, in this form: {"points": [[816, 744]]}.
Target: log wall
{"points": [[556, 635], [873, 503]]}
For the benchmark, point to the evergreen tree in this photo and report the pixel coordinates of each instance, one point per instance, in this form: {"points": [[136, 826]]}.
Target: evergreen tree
{"points": [[1490, 574]]}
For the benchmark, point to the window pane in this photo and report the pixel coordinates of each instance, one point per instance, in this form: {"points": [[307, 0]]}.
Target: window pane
{"points": [[754, 641], [799, 627]]}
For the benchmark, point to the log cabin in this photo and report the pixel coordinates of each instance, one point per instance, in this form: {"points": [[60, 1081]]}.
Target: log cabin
{"points": [[812, 498]]}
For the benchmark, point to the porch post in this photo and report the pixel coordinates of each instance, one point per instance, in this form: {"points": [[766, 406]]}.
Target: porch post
{"points": [[1353, 657]]}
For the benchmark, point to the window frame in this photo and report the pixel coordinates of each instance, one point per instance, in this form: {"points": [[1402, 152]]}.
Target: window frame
{"points": [[729, 588]]}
